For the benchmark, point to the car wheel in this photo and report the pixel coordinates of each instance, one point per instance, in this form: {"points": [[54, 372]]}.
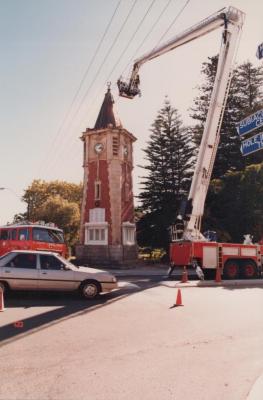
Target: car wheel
{"points": [[231, 270], [90, 289]]}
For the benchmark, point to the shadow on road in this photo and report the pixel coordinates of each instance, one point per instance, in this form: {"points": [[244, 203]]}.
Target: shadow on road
{"points": [[243, 285], [68, 306]]}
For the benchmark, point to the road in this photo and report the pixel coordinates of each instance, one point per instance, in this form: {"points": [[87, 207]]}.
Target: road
{"points": [[133, 344]]}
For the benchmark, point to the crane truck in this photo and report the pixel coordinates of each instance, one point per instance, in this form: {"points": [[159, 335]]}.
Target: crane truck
{"points": [[189, 247]]}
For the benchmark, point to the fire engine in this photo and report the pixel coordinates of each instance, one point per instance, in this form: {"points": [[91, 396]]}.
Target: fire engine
{"points": [[189, 247], [32, 236]]}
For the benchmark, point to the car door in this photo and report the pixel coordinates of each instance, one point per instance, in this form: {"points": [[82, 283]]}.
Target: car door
{"points": [[53, 274], [21, 271]]}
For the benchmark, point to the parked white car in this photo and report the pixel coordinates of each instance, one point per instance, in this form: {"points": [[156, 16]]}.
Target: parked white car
{"points": [[40, 270]]}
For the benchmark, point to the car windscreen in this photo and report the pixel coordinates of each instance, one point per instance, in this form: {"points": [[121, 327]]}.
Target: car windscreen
{"points": [[48, 235]]}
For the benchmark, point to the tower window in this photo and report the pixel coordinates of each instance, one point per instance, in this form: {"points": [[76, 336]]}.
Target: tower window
{"points": [[96, 235], [115, 146], [97, 190]]}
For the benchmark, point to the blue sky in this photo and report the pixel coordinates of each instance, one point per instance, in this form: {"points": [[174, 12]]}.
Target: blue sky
{"points": [[46, 47]]}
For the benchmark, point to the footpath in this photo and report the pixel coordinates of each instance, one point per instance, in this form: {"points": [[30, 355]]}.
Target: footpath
{"points": [[142, 270]]}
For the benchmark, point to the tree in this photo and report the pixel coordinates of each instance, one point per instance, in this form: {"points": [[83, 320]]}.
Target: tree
{"points": [[169, 156], [64, 214], [235, 204], [40, 191], [55, 201], [245, 96]]}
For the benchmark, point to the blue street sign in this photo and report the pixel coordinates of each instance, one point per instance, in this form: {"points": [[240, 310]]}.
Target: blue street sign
{"points": [[259, 53], [250, 123], [252, 144]]}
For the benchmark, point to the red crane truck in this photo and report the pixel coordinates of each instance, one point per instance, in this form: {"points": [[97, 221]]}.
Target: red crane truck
{"points": [[189, 247]]}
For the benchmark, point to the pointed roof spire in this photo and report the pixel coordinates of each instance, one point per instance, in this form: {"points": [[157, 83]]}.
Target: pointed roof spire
{"points": [[106, 115]]}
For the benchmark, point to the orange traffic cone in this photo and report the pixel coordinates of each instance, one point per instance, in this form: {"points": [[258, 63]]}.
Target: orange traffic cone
{"points": [[178, 299], [184, 276], [218, 276], [2, 306]]}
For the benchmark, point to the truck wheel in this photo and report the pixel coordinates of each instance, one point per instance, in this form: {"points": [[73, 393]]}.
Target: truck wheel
{"points": [[231, 270], [249, 270]]}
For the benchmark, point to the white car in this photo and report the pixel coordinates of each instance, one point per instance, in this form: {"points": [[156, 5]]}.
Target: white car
{"points": [[41, 270]]}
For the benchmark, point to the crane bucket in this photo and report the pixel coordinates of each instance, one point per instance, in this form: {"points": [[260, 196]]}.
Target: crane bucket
{"points": [[129, 90]]}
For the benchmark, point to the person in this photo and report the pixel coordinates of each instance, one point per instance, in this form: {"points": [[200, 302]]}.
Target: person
{"points": [[45, 264], [170, 270]]}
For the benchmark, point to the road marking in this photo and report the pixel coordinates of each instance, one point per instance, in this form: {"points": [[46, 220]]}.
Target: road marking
{"points": [[128, 285]]}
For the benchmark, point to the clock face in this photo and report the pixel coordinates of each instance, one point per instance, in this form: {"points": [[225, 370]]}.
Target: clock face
{"points": [[98, 147], [125, 150]]}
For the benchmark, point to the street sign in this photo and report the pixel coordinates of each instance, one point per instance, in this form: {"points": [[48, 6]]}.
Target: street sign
{"points": [[252, 144], [250, 123], [259, 53]]}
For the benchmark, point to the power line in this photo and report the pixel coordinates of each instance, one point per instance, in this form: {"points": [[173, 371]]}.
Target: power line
{"points": [[105, 58], [132, 37], [127, 46], [148, 34], [84, 77], [151, 29], [102, 63], [172, 23]]}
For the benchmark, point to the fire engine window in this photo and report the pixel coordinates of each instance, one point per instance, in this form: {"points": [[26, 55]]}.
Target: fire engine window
{"points": [[23, 234], [23, 261], [41, 235], [47, 235], [4, 234], [13, 234]]}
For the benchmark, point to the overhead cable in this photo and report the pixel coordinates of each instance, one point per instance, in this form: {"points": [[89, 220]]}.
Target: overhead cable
{"points": [[126, 47], [102, 64], [172, 23], [84, 76], [147, 35]]}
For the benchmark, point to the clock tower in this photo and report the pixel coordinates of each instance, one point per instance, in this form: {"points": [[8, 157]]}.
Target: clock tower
{"points": [[107, 231]]}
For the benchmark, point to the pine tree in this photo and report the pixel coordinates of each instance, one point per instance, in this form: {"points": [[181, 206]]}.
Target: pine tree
{"points": [[241, 194], [245, 96], [169, 156]]}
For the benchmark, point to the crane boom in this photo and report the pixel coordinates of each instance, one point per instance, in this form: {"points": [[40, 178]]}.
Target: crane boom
{"points": [[231, 19]]}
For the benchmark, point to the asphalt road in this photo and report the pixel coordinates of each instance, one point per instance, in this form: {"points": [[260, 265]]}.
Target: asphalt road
{"points": [[133, 344]]}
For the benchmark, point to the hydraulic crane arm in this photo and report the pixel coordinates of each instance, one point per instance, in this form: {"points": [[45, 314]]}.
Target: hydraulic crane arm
{"points": [[231, 19], [221, 18]]}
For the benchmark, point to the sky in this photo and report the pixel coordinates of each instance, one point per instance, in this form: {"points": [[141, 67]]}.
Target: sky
{"points": [[56, 59]]}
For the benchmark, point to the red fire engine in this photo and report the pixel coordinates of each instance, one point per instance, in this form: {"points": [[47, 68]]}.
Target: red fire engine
{"points": [[32, 236], [189, 247]]}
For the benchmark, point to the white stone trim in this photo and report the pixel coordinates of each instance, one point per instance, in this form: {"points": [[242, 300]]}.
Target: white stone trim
{"points": [[95, 229], [128, 233], [97, 215]]}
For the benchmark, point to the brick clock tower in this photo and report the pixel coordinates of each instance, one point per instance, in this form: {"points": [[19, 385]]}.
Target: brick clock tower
{"points": [[107, 232]]}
